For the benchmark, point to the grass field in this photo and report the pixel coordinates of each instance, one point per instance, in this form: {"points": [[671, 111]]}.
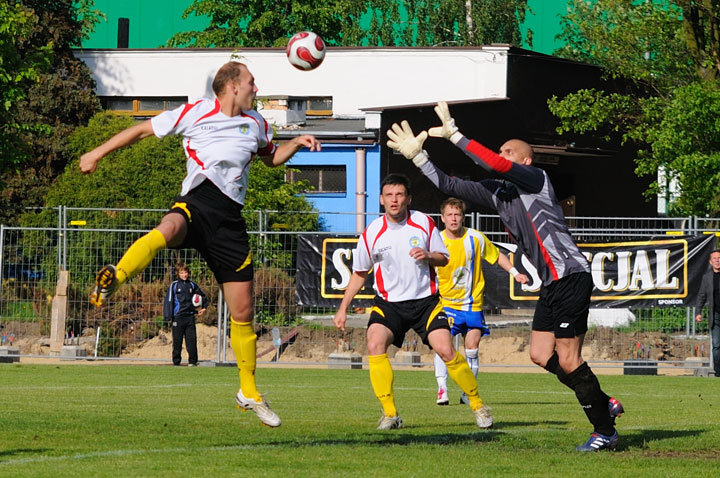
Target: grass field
{"points": [[113, 420]]}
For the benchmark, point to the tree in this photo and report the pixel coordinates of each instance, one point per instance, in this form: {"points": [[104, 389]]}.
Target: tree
{"points": [[19, 66], [263, 23], [54, 101], [670, 50], [148, 174]]}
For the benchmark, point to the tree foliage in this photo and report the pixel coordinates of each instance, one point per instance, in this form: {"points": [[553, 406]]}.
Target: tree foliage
{"points": [[264, 23], [148, 174], [19, 66], [670, 50], [55, 100]]}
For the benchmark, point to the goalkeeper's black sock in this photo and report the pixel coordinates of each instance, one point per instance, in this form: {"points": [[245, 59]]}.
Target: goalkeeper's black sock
{"points": [[592, 399], [553, 366]]}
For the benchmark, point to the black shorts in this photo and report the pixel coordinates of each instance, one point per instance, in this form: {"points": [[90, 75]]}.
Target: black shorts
{"points": [[421, 315], [216, 228], [563, 306]]}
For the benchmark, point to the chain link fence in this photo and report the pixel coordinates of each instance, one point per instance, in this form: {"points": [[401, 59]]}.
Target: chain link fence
{"points": [[81, 240]]}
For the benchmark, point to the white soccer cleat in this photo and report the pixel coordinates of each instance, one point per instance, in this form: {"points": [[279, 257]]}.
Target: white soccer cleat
{"points": [[261, 409], [442, 397], [464, 400], [483, 419], [389, 423]]}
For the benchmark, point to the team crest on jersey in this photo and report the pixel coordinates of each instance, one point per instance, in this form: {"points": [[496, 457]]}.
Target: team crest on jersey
{"points": [[414, 241], [460, 277], [244, 129]]}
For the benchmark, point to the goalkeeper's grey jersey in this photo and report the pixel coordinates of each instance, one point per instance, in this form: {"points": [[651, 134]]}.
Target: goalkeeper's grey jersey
{"points": [[525, 201]]}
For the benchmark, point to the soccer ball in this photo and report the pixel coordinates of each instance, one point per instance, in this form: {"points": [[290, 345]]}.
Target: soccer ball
{"points": [[196, 300], [305, 51]]}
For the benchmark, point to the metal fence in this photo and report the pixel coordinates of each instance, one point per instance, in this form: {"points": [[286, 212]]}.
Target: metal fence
{"points": [[81, 240]]}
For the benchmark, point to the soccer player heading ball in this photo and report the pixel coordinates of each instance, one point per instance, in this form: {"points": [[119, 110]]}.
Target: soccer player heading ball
{"points": [[220, 137], [522, 195]]}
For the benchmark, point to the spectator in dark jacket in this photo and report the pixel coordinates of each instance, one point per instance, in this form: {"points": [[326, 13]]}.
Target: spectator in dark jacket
{"points": [[179, 309], [710, 295]]}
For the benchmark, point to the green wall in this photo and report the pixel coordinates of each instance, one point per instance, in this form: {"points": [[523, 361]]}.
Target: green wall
{"points": [[153, 22]]}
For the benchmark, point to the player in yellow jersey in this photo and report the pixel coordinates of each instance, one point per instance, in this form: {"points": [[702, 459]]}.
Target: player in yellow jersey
{"points": [[462, 285]]}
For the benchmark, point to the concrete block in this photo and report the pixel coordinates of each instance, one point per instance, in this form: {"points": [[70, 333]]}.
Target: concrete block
{"points": [[345, 360], [408, 358], [640, 367], [9, 354], [69, 352], [704, 372]]}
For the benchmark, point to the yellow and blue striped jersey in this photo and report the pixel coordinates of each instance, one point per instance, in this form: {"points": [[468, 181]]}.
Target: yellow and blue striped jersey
{"points": [[461, 281]]}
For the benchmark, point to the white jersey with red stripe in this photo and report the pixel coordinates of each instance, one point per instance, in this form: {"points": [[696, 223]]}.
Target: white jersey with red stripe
{"points": [[385, 247], [218, 147]]}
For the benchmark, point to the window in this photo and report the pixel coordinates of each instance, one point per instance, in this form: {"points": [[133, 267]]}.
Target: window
{"points": [[310, 105], [319, 106], [323, 179], [144, 106]]}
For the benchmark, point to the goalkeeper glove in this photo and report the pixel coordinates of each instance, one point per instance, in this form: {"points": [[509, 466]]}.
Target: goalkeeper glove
{"points": [[448, 130], [403, 140]]}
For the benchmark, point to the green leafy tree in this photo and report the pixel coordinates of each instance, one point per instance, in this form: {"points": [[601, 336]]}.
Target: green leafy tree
{"points": [[263, 23], [670, 50], [19, 66], [54, 101]]}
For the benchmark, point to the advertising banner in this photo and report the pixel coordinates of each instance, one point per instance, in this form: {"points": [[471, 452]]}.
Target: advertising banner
{"points": [[655, 272]]}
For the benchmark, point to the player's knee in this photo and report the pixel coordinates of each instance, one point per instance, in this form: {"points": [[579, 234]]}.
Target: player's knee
{"points": [[539, 357], [446, 353], [241, 313], [376, 347]]}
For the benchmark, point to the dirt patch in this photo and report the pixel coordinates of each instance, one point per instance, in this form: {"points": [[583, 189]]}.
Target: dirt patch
{"points": [[504, 347]]}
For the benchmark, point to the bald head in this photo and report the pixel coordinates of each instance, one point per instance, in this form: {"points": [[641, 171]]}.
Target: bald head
{"points": [[517, 151]]}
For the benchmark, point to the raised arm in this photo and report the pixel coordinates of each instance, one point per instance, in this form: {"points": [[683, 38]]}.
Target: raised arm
{"points": [[527, 177], [284, 152], [402, 139], [133, 134]]}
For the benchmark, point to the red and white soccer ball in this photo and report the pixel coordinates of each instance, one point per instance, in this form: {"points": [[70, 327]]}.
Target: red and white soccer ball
{"points": [[305, 51], [196, 300]]}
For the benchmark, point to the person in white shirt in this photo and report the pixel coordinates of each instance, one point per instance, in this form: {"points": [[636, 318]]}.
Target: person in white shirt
{"points": [[221, 136], [403, 247], [462, 285]]}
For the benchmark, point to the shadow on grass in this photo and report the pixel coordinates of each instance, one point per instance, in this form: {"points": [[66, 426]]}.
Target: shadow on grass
{"points": [[513, 403], [21, 451], [397, 438], [640, 439]]}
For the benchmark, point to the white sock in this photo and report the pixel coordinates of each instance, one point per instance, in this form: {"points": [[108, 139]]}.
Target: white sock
{"points": [[441, 372], [471, 355]]}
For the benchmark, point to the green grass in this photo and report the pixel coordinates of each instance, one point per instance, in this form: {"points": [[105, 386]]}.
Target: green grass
{"points": [[113, 420]]}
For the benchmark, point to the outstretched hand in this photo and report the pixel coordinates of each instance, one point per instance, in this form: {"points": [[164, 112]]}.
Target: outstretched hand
{"points": [[403, 140], [448, 130], [309, 141]]}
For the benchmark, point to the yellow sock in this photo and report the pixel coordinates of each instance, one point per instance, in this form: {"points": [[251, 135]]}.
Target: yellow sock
{"points": [[460, 372], [139, 255], [244, 343], [381, 377]]}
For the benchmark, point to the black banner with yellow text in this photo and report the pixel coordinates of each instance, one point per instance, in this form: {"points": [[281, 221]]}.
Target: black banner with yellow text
{"points": [[655, 272]]}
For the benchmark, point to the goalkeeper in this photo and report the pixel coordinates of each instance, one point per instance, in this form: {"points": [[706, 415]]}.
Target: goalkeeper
{"points": [[524, 198]]}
